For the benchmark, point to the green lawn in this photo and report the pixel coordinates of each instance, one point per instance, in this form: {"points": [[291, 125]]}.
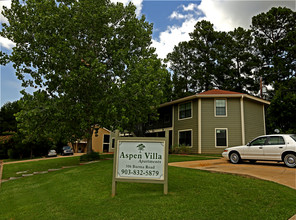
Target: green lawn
{"points": [[179, 158], [84, 192], [10, 170]]}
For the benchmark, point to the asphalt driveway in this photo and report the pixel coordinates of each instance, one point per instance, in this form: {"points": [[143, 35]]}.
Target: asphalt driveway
{"points": [[272, 171]]}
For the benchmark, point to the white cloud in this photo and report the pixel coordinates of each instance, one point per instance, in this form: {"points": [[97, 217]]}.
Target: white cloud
{"points": [[224, 14], [137, 3], [176, 34], [229, 14], [179, 16], [6, 43], [7, 4], [172, 36], [190, 7]]}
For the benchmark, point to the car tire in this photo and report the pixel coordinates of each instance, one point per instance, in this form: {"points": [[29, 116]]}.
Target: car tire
{"points": [[252, 161], [290, 160], [235, 158]]}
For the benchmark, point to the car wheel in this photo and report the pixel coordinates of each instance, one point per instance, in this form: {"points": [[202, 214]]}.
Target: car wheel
{"points": [[234, 158], [252, 161], [290, 160]]}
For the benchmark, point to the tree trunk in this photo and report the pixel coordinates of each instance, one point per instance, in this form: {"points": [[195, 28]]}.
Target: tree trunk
{"points": [[89, 141], [31, 156]]}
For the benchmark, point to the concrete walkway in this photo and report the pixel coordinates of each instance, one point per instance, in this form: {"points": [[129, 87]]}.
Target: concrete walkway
{"points": [[272, 171], [44, 158]]}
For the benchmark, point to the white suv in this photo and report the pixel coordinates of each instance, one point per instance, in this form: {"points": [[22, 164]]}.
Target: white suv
{"points": [[277, 147]]}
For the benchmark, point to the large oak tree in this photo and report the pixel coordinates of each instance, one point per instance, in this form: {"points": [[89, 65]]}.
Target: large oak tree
{"points": [[91, 63]]}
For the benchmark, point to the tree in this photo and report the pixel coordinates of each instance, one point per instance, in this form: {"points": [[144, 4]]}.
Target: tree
{"points": [[275, 38], [281, 112], [91, 61], [237, 62], [7, 118], [214, 59], [203, 44], [195, 62], [181, 65]]}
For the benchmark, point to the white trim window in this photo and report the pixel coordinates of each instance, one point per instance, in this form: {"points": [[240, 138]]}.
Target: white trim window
{"points": [[220, 107], [185, 138], [185, 110], [221, 137]]}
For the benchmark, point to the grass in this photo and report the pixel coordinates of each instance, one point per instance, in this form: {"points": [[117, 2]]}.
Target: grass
{"points": [[179, 158], [10, 170], [84, 192]]}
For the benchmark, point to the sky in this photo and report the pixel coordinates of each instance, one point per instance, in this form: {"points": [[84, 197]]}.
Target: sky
{"points": [[172, 22]]}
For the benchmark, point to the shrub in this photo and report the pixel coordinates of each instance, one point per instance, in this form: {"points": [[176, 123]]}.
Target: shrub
{"points": [[180, 149], [90, 157]]}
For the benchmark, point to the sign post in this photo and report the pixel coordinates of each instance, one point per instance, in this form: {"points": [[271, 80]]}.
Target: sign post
{"points": [[142, 160]]}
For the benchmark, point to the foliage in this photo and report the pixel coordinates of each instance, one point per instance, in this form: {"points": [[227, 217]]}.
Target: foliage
{"points": [[84, 192], [275, 41], [281, 112], [90, 157], [91, 63], [238, 62], [214, 59], [7, 118]]}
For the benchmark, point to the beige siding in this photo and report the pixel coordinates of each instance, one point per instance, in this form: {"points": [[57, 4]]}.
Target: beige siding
{"points": [[232, 122], [254, 121], [186, 124], [97, 142]]}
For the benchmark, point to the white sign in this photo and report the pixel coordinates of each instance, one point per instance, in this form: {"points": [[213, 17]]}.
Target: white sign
{"points": [[140, 160]]}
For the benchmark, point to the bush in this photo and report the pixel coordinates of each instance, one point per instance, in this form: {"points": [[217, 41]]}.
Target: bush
{"points": [[90, 157], [180, 149]]}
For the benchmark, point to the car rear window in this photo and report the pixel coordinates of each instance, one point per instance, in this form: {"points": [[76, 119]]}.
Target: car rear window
{"points": [[293, 136]]}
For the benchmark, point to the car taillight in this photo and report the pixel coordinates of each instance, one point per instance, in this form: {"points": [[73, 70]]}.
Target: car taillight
{"points": [[225, 150]]}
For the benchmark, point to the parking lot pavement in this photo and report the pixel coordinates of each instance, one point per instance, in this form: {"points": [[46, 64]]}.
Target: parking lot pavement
{"points": [[272, 171]]}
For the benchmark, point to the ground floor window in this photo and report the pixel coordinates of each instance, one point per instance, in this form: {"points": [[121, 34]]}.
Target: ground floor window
{"points": [[221, 137], [185, 138]]}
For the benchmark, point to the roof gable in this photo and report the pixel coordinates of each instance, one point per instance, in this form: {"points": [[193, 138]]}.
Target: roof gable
{"points": [[216, 93]]}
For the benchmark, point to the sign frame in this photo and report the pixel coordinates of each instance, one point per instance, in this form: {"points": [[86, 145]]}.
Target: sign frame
{"points": [[164, 180]]}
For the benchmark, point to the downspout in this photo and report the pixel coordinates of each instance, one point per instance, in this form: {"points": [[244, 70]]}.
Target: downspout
{"points": [[264, 125], [243, 120], [199, 127]]}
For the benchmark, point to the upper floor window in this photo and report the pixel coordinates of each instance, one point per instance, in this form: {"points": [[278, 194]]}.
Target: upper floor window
{"points": [[220, 105], [185, 110]]}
